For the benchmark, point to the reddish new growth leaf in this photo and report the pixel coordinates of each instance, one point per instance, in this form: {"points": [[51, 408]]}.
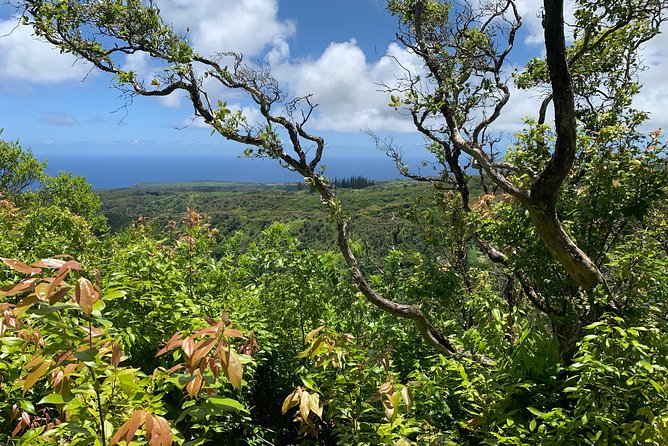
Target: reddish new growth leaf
{"points": [[115, 354], [49, 263], [158, 430], [23, 286], [175, 341], [20, 266], [86, 295], [211, 351], [8, 319]]}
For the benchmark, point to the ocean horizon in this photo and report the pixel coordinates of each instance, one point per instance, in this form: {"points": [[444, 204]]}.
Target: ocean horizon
{"points": [[124, 168]]}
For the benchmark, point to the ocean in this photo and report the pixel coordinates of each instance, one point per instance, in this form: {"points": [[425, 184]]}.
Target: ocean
{"points": [[108, 170]]}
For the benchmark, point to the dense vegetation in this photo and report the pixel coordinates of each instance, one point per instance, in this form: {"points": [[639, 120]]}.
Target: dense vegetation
{"points": [[528, 311], [379, 210]]}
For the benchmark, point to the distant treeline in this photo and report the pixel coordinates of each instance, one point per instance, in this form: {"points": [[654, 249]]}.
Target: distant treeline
{"points": [[354, 182]]}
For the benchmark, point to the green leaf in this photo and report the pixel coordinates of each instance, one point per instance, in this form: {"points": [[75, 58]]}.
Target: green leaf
{"points": [[11, 341], [114, 294], [226, 404], [87, 355], [308, 382], [536, 412], [54, 398]]}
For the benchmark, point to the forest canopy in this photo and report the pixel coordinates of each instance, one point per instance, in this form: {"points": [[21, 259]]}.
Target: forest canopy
{"points": [[531, 309]]}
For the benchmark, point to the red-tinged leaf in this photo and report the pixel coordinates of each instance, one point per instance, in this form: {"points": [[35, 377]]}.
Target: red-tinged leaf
{"points": [[173, 342], [233, 333], [213, 366], [203, 331], [85, 295], [57, 378], [21, 424], [26, 418], [20, 266], [58, 295], [149, 427], [165, 437], [386, 388], [60, 277], [174, 369], [115, 354], [374, 398], [23, 286], [36, 375], [127, 431], [134, 423], [65, 356], [71, 368], [48, 263], [193, 387], [188, 347], [70, 264], [389, 409], [210, 321], [201, 350]]}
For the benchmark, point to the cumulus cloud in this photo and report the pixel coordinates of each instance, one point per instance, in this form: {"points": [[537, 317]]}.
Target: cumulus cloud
{"points": [[24, 58], [58, 119], [654, 94], [246, 26], [349, 89]]}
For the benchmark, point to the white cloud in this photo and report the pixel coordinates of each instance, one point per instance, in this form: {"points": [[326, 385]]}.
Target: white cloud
{"points": [[654, 94], [24, 58], [246, 26], [348, 88]]}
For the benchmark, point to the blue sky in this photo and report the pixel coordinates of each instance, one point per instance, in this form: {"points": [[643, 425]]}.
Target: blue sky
{"points": [[332, 49]]}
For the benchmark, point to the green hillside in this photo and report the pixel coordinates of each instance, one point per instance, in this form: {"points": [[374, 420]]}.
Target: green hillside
{"points": [[377, 210]]}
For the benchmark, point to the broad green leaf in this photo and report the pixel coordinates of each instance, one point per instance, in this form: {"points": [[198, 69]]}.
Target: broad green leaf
{"points": [[536, 412], [87, 355], [226, 404], [54, 398]]}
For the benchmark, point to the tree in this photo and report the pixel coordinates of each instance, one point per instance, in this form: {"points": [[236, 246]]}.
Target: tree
{"points": [[73, 192], [18, 168], [465, 49]]}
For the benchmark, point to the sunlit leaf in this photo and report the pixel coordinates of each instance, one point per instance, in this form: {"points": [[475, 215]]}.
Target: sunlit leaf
{"points": [[407, 397], [85, 295], [225, 404], [232, 367], [54, 398], [48, 263], [20, 266], [290, 401], [36, 375]]}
